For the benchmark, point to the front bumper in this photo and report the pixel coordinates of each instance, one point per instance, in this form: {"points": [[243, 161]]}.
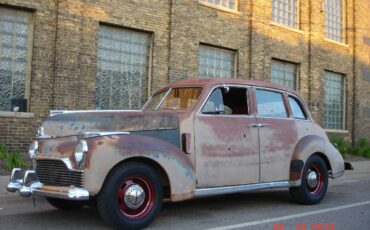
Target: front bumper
{"points": [[26, 183]]}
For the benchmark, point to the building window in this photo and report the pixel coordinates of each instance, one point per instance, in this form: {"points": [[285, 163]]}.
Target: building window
{"points": [[216, 62], [334, 101], [225, 4], [334, 20], [284, 73], [15, 56], [285, 12], [122, 72]]}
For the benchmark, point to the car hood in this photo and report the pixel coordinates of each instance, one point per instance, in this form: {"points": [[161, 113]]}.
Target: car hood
{"points": [[79, 123]]}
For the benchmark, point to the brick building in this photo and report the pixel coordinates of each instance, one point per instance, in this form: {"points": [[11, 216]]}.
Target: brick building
{"points": [[99, 54]]}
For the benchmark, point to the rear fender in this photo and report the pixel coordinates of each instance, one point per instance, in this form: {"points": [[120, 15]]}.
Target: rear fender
{"points": [[308, 146]]}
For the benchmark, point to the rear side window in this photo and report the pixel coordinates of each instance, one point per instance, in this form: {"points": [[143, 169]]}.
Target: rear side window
{"points": [[270, 104], [297, 109]]}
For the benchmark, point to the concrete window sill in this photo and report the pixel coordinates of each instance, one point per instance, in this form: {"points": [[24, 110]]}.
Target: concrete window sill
{"points": [[336, 43], [336, 131], [16, 114], [287, 28]]}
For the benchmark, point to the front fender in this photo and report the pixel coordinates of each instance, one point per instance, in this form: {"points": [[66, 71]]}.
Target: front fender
{"points": [[308, 146], [106, 152]]}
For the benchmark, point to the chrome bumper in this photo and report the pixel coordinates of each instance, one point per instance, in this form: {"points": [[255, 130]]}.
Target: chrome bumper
{"points": [[26, 183]]}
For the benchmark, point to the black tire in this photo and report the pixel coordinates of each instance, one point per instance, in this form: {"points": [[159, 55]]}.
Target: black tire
{"points": [[122, 211], [312, 191], [66, 205]]}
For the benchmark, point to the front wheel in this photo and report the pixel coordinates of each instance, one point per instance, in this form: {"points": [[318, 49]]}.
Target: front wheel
{"points": [[131, 197], [314, 182]]}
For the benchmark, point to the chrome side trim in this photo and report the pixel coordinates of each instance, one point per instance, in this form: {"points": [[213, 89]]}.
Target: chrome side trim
{"points": [[56, 112], [202, 192], [44, 137], [99, 134]]}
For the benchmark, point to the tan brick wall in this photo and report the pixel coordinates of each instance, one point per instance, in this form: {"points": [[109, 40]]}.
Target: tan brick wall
{"points": [[16, 132], [78, 25], [362, 69], [64, 59], [193, 24]]}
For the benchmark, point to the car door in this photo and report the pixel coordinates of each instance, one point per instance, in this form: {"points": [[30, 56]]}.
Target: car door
{"points": [[226, 143], [277, 134]]}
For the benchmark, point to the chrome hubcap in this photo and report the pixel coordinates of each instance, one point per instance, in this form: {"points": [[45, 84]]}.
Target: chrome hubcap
{"points": [[312, 179], [134, 196]]}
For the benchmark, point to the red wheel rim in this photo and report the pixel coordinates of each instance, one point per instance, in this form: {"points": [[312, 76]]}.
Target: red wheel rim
{"points": [[131, 207], [314, 180]]}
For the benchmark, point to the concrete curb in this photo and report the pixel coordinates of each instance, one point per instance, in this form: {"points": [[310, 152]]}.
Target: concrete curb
{"points": [[360, 167]]}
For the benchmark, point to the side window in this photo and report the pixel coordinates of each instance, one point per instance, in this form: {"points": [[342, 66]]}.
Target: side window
{"points": [[270, 104], [297, 109], [227, 101]]}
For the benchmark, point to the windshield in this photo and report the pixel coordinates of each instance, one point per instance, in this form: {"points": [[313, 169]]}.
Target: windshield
{"points": [[176, 99], [154, 102]]}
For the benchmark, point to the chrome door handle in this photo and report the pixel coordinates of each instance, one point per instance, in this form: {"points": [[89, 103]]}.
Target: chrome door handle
{"points": [[257, 125]]}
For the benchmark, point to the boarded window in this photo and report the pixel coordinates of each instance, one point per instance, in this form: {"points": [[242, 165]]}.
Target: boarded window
{"points": [[334, 101], [334, 20], [122, 74], [284, 73], [15, 55], [215, 62], [181, 98], [285, 12]]}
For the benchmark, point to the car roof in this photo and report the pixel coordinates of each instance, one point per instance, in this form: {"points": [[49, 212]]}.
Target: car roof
{"points": [[220, 81]]}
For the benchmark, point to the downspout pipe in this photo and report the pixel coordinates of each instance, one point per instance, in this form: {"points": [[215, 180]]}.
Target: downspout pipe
{"points": [[54, 71]]}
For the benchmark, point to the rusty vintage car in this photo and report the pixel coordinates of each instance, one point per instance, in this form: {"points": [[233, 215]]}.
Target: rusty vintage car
{"points": [[193, 138]]}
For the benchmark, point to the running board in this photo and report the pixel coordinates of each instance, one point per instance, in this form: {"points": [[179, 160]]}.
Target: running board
{"points": [[202, 192]]}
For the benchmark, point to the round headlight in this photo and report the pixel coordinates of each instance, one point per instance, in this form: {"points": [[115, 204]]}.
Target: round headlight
{"points": [[81, 149], [32, 150]]}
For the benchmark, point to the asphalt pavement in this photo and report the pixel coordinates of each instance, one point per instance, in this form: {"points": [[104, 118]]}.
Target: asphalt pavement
{"points": [[346, 206]]}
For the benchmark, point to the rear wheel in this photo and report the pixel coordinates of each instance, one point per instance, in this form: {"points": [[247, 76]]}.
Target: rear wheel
{"points": [[314, 182], [66, 205], [131, 197]]}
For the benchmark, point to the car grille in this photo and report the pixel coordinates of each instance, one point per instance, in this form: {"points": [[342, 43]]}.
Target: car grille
{"points": [[56, 173]]}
